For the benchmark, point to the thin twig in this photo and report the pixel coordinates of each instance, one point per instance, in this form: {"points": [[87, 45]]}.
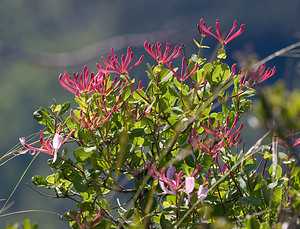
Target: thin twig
{"points": [[280, 52]]}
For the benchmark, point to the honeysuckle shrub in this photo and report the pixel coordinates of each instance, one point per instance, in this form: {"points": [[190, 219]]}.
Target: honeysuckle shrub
{"points": [[169, 153]]}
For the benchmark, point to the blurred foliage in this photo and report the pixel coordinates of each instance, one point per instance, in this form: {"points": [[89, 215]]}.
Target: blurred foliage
{"points": [[25, 225], [279, 108]]}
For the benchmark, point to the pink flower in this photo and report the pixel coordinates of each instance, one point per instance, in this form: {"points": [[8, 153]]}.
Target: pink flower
{"points": [[48, 148], [297, 143], [86, 225], [175, 183], [123, 67], [202, 192], [220, 37], [93, 121], [82, 83], [140, 86], [184, 71], [227, 138], [201, 31], [155, 52], [258, 75], [210, 147], [142, 115], [102, 84]]}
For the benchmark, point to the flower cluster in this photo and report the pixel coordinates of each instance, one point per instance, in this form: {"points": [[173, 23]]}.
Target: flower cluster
{"points": [[81, 221], [185, 72], [219, 36], [175, 183], [92, 121], [155, 52], [259, 75], [121, 68], [48, 148], [82, 83]]}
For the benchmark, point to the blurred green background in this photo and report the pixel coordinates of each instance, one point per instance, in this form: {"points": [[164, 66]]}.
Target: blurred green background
{"points": [[29, 80]]}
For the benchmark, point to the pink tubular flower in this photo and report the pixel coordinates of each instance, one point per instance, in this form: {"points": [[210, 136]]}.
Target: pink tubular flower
{"points": [[140, 86], [103, 85], [86, 225], [82, 83], [123, 67], [227, 138], [296, 143], [184, 71], [258, 75], [220, 37], [201, 31], [210, 147], [91, 122], [175, 183], [135, 114], [155, 52], [48, 148], [202, 193]]}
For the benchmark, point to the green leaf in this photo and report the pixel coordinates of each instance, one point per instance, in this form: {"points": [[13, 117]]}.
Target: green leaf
{"points": [[27, 224], [206, 161], [197, 43], [252, 223], [277, 195], [278, 171], [249, 167], [259, 182], [264, 225], [250, 200], [56, 108], [221, 73], [43, 117], [129, 213], [137, 132], [39, 181], [173, 91], [64, 108], [83, 153], [176, 111], [125, 93], [80, 183], [137, 95], [165, 75], [165, 223], [81, 103], [221, 54]]}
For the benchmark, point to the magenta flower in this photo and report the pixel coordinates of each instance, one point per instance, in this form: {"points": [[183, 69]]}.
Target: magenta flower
{"points": [[48, 148], [140, 86], [296, 143], [175, 183], [258, 75], [123, 67], [210, 147], [93, 121], [201, 31], [202, 193], [227, 138], [184, 71], [136, 115], [103, 85], [155, 52], [82, 83], [86, 225], [219, 36]]}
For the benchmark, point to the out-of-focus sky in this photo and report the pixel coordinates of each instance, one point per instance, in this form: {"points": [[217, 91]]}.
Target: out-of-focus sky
{"points": [[55, 26]]}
